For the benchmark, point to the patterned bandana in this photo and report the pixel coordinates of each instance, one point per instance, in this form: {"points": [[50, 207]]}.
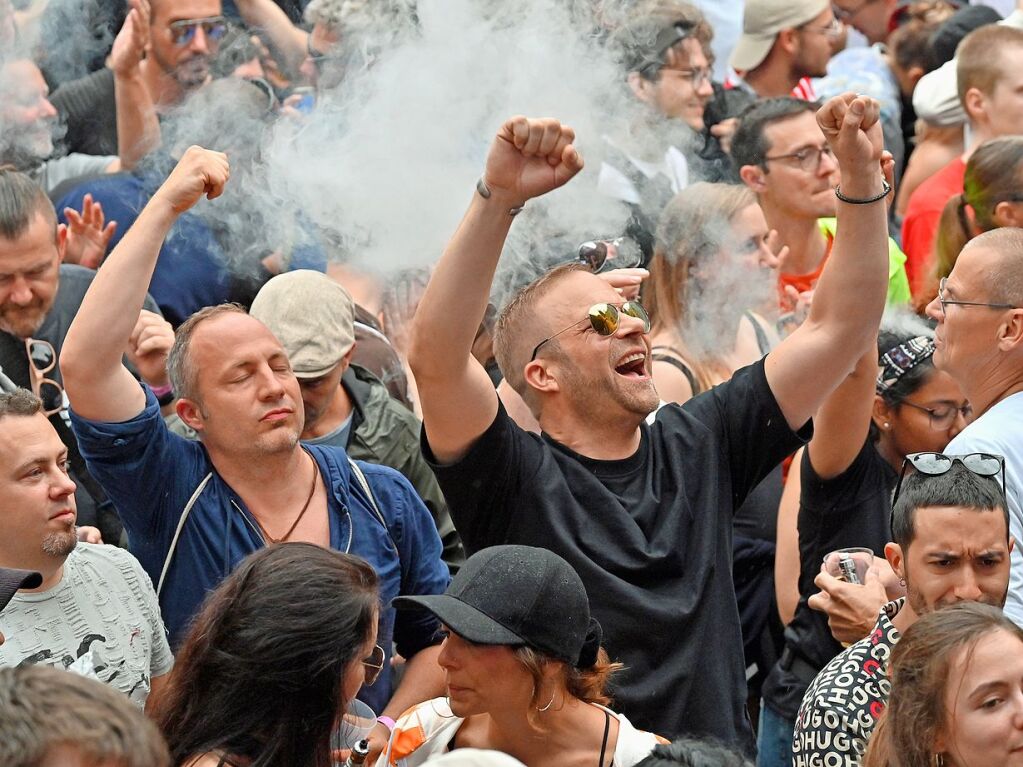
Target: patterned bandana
{"points": [[896, 362]]}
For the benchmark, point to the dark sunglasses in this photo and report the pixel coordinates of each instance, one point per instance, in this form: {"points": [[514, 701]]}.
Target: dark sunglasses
{"points": [[183, 31], [42, 358], [604, 255], [604, 319], [935, 464], [374, 664]]}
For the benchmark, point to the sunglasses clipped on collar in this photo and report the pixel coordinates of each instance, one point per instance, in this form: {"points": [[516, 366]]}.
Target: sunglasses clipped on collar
{"points": [[183, 31], [935, 464], [604, 319], [42, 358]]}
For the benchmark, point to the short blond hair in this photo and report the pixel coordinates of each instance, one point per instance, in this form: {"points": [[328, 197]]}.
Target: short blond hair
{"points": [[512, 342], [979, 58]]}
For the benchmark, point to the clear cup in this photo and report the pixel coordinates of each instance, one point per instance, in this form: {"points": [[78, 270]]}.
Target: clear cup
{"points": [[849, 564], [356, 724]]}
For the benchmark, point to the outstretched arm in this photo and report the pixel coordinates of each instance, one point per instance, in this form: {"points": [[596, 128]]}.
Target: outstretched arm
{"points": [[138, 129], [98, 385], [850, 295], [289, 40], [527, 159]]}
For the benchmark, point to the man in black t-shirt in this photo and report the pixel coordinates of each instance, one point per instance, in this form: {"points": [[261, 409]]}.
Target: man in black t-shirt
{"points": [[642, 512]]}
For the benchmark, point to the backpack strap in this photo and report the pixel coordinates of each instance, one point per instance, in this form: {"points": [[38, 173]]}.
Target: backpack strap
{"points": [[177, 532]]}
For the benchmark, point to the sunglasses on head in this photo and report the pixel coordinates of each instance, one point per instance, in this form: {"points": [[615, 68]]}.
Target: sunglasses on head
{"points": [[604, 255], [935, 464], [183, 31], [604, 319]]}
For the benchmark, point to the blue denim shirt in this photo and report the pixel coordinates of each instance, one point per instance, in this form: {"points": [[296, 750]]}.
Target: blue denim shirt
{"points": [[150, 474]]}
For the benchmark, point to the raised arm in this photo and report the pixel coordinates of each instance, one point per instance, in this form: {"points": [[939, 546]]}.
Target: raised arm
{"points": [[98, 385], [850, 295], [289, 40], [527, 159], [138, 129]]}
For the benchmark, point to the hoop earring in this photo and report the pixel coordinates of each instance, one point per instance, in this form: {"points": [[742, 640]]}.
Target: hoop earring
{"points": [[902, 582], [551, 701], [939, 760]]}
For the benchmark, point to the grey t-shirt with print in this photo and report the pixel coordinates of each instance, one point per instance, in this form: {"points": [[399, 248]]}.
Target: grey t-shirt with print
{"points": [[101, 620]]}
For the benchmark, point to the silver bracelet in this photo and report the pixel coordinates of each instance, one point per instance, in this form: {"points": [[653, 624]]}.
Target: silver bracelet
{"points": [[484, 190]]}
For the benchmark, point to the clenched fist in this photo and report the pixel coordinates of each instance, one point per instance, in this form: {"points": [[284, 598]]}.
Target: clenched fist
{"points": [[531, 157], [199, 172], [852, 127]]}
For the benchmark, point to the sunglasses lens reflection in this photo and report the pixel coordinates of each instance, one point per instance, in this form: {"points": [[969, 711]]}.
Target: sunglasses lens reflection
{"points": [[593, 255], [635, 309], [604, 319]]}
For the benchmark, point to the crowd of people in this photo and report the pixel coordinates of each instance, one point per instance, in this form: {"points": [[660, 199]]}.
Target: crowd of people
{"points": [[737, 480]]}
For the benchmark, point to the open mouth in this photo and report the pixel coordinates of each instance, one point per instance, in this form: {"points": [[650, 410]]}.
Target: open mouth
{"points": [[633, 366]]}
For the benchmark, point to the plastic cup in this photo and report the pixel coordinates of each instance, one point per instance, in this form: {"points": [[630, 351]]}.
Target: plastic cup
{"points": [[356, 724], [849, 564]]}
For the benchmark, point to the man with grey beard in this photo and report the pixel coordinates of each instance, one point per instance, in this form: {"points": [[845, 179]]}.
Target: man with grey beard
{"points": [[95, 611]]}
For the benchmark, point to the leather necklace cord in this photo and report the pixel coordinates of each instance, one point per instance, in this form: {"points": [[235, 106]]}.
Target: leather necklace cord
{"points": [[312, 492]]}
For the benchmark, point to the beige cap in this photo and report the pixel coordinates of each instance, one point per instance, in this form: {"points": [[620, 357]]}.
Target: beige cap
{"points": [[762, 20], [312, 316]]}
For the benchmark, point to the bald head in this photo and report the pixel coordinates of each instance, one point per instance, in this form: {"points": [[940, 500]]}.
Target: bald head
{"points": [[999, 255]]}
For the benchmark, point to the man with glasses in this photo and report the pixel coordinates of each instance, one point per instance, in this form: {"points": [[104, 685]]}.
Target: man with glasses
{"points": [[783, 44], [868, 17], [642, 511], [783, 157], [663, 53], [979, 342], [950, 544]]}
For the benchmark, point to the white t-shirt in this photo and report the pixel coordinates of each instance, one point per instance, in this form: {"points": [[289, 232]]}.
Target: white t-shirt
{"points": [[101, 620], [1000, 431], [426, 730]]}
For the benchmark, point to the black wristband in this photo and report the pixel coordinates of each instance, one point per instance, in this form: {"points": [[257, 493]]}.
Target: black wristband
{"points": [[886, 189]]}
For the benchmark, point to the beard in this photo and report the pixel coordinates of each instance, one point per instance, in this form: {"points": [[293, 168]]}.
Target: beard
{"points": [[61, 543], [26, 146], [193, 73], [24, 321]]}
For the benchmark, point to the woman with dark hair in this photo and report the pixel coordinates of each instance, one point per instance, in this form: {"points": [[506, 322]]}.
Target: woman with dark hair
{"points": [[846, 476], [524, 668], [957, 693], [278, 651], [991, 197]]}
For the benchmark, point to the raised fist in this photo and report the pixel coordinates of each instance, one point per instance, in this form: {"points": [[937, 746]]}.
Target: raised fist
{"points": [[198, 172], [531, 157], [852, 127]]}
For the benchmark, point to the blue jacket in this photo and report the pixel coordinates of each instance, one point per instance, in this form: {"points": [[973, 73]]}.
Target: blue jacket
{"points": [[150, 474]]}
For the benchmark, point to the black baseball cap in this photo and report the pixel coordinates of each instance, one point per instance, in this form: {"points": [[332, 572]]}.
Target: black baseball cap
{"points": [[11, 580], [516, 595]]}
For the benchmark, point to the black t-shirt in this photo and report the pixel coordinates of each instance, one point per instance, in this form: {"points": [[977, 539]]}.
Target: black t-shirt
{"points": [[851, 509], [650, 536]]}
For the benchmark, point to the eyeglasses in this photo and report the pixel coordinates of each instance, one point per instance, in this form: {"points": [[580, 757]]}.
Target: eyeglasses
{"points": [[946, 301], [183, 31], [604, 255], [374, 664], [809, 159], [831, 29], [846, 15], [604, 319], [943, 417], [697, 76], [936, 464], [42, 358]]}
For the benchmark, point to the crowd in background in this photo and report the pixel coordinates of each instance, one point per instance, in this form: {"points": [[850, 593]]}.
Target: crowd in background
{"points": [[699, 442]]}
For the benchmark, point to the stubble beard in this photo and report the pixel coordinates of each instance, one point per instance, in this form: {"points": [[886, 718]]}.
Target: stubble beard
{"points": [[62, 543]]}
